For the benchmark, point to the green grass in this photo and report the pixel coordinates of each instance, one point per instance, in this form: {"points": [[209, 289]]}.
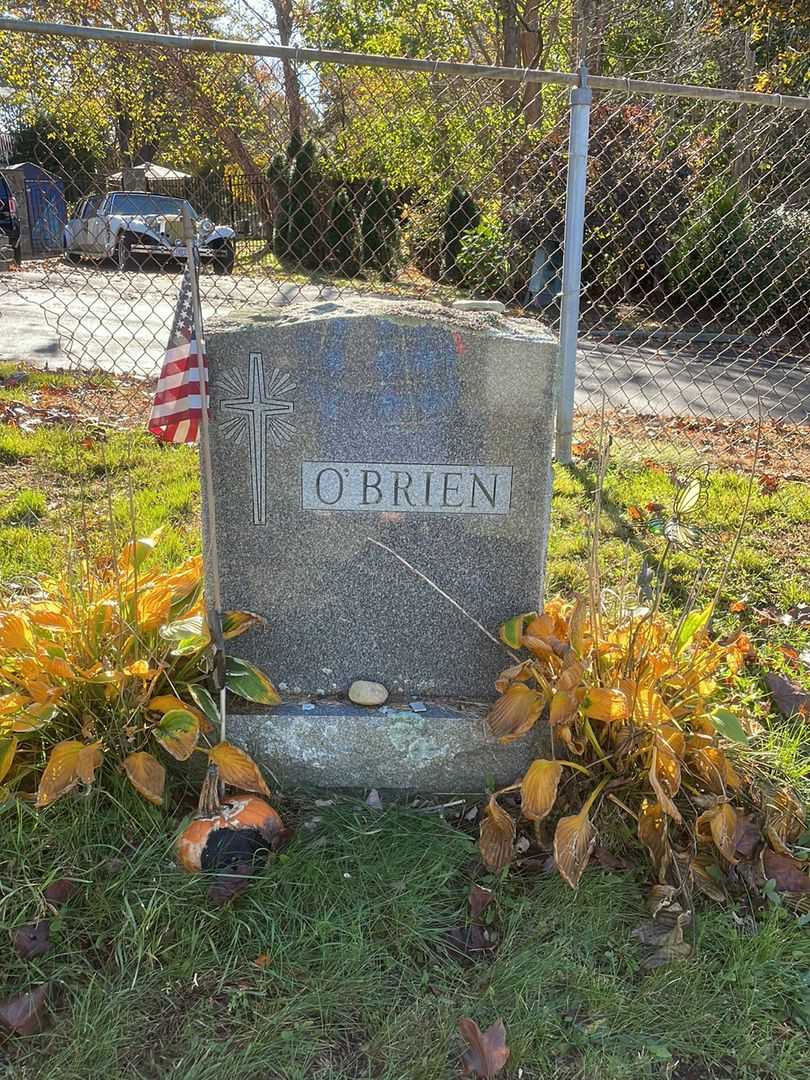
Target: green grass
{"points": [[151, 981]]}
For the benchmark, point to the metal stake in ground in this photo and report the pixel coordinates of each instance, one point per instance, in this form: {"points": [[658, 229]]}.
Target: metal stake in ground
{"points": [[213, 593]]}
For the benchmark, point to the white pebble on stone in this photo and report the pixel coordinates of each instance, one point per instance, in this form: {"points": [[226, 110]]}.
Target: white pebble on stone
{"points": [[363, 692]]}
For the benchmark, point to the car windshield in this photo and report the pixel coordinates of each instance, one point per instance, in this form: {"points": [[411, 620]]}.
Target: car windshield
{"points": [[145, 205]]}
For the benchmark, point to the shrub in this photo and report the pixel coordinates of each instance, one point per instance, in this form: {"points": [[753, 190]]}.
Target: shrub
{"points": [[742, 258], [483, 260], [379, 230], [109, 666], [461, 215]]}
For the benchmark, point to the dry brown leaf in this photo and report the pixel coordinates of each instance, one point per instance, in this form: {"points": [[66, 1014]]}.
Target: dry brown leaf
{"points": [[538, 789], [88, 760], [574, 840], [478, 899], [488, 1051], [714, 769], [497, 836], [652, 832], [237, 768], [788, 696], [788, 873], [720, 824], [26, 1014], [665, 779], [784, 819], [564, 707], [515, 712], [146, 775], [32, 940]]}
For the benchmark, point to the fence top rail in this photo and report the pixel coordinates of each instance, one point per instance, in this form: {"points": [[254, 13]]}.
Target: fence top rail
{"points": [[397, 63]]}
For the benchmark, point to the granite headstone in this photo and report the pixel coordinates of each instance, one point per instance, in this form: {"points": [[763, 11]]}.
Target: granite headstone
{"points": [[427, 430]]}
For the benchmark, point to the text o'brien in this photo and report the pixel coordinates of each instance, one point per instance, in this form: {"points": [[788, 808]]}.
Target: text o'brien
{"points": [[422, 489]]}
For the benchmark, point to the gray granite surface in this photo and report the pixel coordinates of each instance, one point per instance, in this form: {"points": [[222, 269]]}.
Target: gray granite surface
{"points": [[443, 749], [426, 429]]}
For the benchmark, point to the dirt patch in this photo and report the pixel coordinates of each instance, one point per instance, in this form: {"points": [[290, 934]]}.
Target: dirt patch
{"points": [[784, 448]]}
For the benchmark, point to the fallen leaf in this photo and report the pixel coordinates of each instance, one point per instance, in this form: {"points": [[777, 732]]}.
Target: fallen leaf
{"points": [[26, 1014], [59, 891], [488, 1051], [652, 832], [768, 483], [720, 824], [468, 944], [748, 835], [262, 960], [59, 776], [785, 871], [667, 954], [788, 696], [738, 606], [478, 899], [32, 940], [607, 860], [237, 768]]}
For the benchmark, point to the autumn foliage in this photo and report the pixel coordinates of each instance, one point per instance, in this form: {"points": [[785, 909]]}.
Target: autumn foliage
{"points": [[628, 700], [110, 669]]}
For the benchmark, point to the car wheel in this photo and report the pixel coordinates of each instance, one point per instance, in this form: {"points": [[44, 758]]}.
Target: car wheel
{"points": [[123, 255], [71, 257], [224, 259]]}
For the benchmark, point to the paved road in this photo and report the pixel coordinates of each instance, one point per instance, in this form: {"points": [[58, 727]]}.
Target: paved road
{"points": [[91, 317]]}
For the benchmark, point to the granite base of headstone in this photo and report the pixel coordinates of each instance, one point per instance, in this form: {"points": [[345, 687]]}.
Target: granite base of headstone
{"points": [[351, 438]]}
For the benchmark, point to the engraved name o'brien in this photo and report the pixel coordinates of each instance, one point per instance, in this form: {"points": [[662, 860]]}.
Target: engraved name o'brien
{"points": [[422, 489]]}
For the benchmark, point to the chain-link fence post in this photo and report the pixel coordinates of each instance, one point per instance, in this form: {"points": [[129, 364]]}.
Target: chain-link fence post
{"points": [[581, 97]]}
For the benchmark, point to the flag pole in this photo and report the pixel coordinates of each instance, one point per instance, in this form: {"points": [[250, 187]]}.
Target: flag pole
{"points": [[214, 600]]}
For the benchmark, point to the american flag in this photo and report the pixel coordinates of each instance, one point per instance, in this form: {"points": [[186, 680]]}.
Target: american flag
{"points": [[177, 406]]}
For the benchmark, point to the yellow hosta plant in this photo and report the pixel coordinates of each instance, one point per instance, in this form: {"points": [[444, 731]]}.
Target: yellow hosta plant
{"points": [[108, 666], [628, 698]]}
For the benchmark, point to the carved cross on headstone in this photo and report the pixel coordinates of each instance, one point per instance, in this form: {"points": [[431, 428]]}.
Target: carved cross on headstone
{"points": [[258, 413]]}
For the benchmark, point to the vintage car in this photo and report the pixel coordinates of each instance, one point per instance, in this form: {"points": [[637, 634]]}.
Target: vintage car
{"points": [[132, 227]]}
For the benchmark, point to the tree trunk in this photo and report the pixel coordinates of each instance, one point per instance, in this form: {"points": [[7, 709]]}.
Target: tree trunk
{"points": [[531, 49], [292, 89]]}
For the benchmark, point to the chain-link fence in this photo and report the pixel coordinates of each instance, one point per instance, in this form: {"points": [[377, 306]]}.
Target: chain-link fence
{"points": [[313, 174]]}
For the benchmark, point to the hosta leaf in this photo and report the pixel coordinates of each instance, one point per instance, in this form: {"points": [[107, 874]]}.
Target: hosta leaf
{"points": [[574, 840], [235, 623], [652, 832], [571, 677], [134, 553], [237, 768], [146, 775], [511, 632], [248, 682], [88, 760], [60, 774], [188, 635], [721, 822], [12, 703], [564, 706], [665, 779], [607, 704], [8, 748], [15, 633], [515, 712], [725, 723], [205, 703], [694, 623], [497, 836], [714, 769], [34, 717], [579, 625], [538, 789], [177, 733]]}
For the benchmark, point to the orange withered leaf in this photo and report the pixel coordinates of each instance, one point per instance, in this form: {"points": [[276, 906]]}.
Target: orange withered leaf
{"points": [[574, 840], [515, 712], [538, 789]]}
